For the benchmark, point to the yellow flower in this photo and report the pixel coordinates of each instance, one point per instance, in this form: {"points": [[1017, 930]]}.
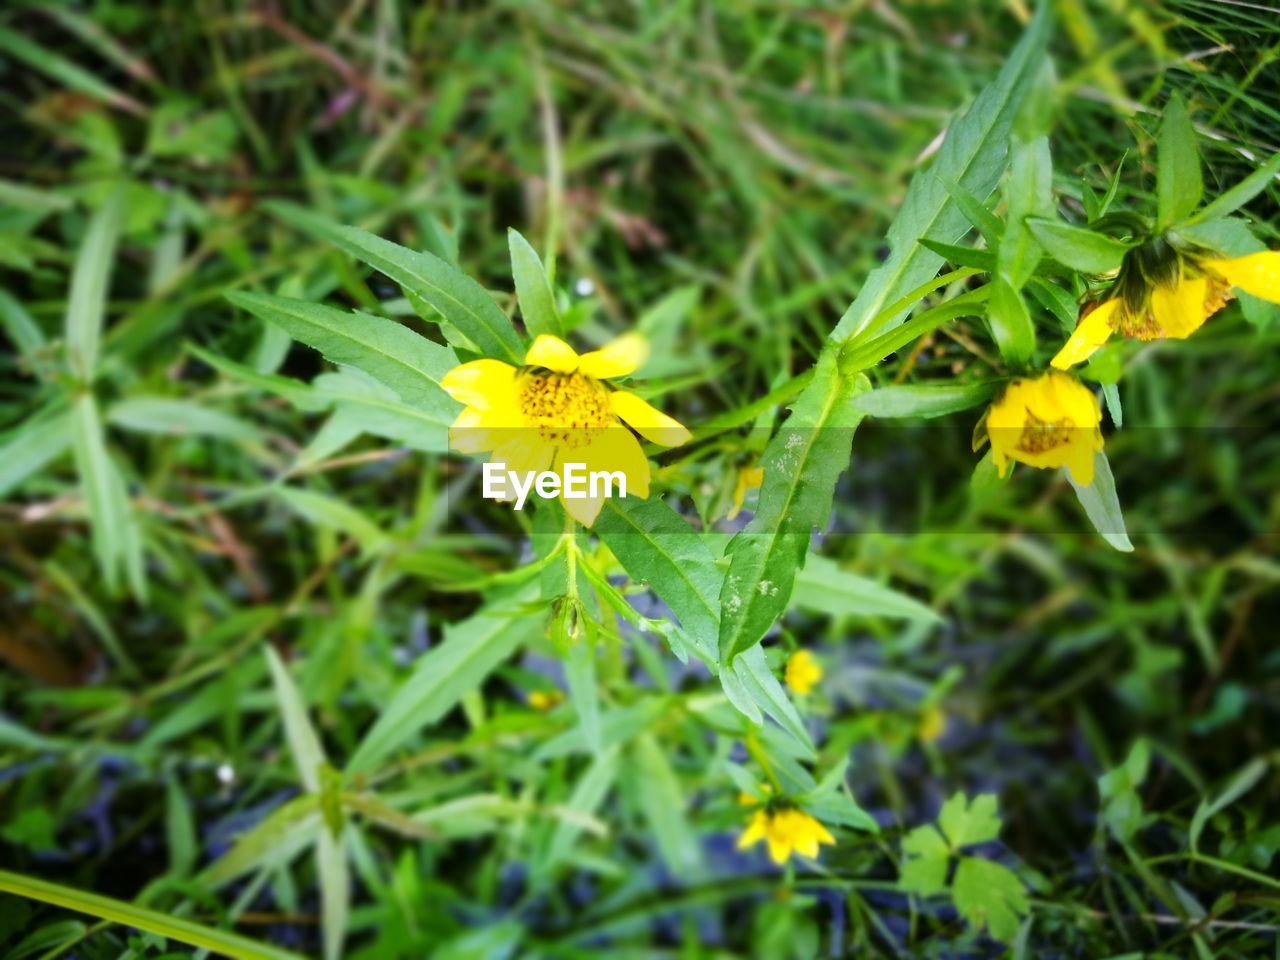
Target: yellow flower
{"points": [[803, 671], [932, 725], [1051, 421], [749, 478], [786, 830], [556, 409], [544, 700], [1176, 308]]}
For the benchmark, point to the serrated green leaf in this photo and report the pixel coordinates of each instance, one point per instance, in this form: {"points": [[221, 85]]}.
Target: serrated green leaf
{"points": [[375, 409], [990, 895], [754, 679], [424, 277], [963, 822], [392, 354], [973, 155], [470, 651], [1102, 505], [1179, 184], [925, 401], [801, 466], [1078, 248], [537, 301], [656, 546]]}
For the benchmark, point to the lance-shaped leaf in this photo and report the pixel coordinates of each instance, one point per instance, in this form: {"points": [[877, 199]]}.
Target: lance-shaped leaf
{"points": [[973, 156], [392, 354], [801, 466], [470, 651], [655, 546], [537, 300], [425, 278], [1179, 183]]}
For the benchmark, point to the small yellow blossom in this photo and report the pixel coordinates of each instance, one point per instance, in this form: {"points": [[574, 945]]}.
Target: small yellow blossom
{"points": [[803, 671], [544, 700], [932, 725], [1050, 421], [749, 478], [556, 409], [786, 830], [1194, 290]]}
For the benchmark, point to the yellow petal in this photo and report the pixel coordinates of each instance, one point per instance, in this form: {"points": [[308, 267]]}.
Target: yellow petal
{"points": [[617, 449], [552, 353], [652, 423], [1257, 273], [779, 850], [482, 384], [467, 434], [1179, 309], [1093, 330], [1080, 461], [616, 359], [755, 831], [523, 451]]}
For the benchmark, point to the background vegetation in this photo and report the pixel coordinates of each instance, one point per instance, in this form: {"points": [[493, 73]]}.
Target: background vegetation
{"points": [[723, 176]]}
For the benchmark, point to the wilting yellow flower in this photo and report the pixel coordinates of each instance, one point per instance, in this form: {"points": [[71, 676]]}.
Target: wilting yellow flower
{"points": [[556, 409], [749, 478], [1177, 307], [932, 725], [803, 671], [544, 700], [786, 830], [1051, 421]]}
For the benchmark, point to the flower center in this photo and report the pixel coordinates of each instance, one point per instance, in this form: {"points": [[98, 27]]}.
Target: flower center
{"points": [[1041, 435], [566, 408]]}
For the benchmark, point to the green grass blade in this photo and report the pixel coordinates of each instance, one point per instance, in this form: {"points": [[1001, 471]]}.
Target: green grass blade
{"points": [[86, 305], [152, 921]]}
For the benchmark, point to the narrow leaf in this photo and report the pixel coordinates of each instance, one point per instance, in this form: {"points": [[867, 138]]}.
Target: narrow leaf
{"points": [[1179, 185], [456, 297], [470, 651], [801, 466], [87, 301], [1101, 505], [304, 744], [537, 301], [392, 354], [1078, 248]]}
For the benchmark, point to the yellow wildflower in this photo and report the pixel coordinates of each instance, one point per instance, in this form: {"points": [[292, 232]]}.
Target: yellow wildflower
{"points": [[749, 478], [932, 725], [1050, 421], [556, 409], [786, 830], [1188, 292], [803, 671], [544, 700]]}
